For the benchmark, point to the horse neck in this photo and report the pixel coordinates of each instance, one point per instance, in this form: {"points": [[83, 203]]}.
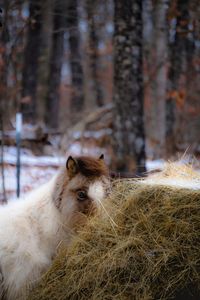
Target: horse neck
{"points": [[47, 212], [41, 207]]}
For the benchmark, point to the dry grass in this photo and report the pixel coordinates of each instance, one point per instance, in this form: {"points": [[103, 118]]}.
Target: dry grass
{"points": [[148, 248]]}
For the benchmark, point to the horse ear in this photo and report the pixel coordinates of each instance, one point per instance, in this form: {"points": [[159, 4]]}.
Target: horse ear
{"points": [[101, 156], [72, 166]]}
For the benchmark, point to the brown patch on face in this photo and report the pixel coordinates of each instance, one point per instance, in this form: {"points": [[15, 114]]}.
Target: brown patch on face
{"points": [[86, 207], [92, 167], [84, 203]]}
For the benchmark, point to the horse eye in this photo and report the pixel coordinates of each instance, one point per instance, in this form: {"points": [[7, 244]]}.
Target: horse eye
{"points": [[81, 195]]}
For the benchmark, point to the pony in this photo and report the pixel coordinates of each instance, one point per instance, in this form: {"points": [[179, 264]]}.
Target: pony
{"points": [[31, 229]]}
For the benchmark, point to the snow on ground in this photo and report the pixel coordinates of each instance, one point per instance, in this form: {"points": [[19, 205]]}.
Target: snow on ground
{"points": [[27, 158], [31, 177], [36, 170], [152, 165], [193, 184], [91, 134]]}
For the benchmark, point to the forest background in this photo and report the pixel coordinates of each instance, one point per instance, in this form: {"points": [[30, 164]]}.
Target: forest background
{"points": [[90, 77]]}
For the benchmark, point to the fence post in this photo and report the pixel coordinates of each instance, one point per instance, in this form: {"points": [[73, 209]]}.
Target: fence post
{"points": [[4, 200], [18, 142]]}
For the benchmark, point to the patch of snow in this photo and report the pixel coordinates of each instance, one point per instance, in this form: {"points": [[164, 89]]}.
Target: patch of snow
{"points": [[27, 158], [193, 184], [36, 170], [160, 164], [155, 164], [91, 134], [30, 178], [78, 149], [75, 149]]}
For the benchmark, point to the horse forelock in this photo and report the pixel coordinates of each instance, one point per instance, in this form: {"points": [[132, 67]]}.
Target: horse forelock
{"points": [[92, 167]]}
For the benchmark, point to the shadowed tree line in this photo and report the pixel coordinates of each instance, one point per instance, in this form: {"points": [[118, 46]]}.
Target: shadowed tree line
{"points": [[61, 59]]}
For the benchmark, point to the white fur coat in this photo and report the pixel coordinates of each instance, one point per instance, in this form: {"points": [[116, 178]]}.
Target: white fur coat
{"points": [[30, 230]]}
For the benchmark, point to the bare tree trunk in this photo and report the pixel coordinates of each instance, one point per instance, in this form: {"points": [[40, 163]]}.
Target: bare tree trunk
{"points": [[93, 52], [3, 91], [44, 59], [192, 103], [77, 100], [4, 38], [56, 58], [159, 82], [188, 104], [129, 138], [30, 69], [177, 66]]}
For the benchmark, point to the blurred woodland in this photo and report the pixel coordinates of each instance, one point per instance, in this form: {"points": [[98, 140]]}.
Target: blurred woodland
{"points": [[112, 76]]}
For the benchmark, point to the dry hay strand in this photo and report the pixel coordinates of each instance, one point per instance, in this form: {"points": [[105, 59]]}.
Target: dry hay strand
{"points": [[147, 248]]}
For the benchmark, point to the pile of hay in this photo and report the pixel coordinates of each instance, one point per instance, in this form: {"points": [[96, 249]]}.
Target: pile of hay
{"points": [[147, 248]]}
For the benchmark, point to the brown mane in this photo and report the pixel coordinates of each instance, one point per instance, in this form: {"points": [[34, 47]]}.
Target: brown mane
{"points": [[92, 167]]}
